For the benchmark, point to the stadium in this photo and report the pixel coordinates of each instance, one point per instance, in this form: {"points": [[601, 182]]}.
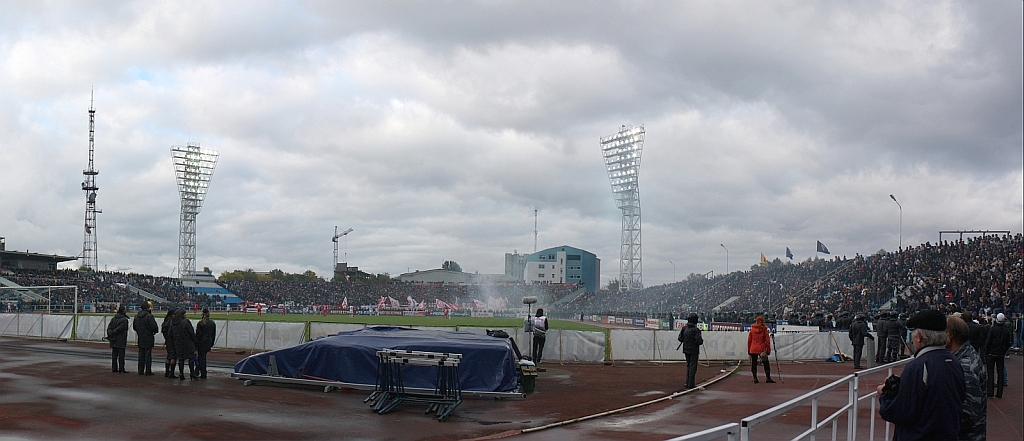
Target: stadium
{"points": [[613, 363], [830, 244]]}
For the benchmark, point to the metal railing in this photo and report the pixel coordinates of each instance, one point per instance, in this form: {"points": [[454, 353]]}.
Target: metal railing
{"points": [[730, 431], [850, 409]]}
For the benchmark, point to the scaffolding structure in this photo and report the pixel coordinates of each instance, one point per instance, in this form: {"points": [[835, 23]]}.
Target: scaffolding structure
{"points": [[89, 253], [193, 168], [622, 153]]}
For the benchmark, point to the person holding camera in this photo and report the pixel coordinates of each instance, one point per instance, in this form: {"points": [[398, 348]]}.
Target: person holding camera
{"points": [[926, 401], [759, 347]]}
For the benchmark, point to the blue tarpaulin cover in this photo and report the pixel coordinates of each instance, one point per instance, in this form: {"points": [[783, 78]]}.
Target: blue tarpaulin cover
{"points": [[488, 364]]}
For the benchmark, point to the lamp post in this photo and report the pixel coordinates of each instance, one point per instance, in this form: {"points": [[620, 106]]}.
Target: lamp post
{"points": [[901, 220], [726, 258], [673, 272]]}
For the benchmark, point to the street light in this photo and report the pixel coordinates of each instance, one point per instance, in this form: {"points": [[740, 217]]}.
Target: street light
{"points": [[673, 272], [726, 258], [901, 220]]}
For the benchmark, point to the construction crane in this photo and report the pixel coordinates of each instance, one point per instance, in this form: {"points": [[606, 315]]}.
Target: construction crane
{"points": [[335, 240]]}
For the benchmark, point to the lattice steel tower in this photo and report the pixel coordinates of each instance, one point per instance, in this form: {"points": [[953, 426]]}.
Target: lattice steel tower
{"points": [[193, 167], [622, 152], [89, 255]]}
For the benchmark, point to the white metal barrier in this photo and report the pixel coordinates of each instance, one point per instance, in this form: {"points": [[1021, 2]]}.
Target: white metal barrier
{"points": [[729, 431], [851, 409]]}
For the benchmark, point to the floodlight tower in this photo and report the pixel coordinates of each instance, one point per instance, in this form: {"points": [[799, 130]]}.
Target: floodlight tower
{"points": [[193, 167], [622, 152], [89, 254]]}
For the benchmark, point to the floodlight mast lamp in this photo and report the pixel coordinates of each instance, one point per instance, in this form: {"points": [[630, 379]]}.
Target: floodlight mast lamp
{"points": [[193, 167], [622, 152]]}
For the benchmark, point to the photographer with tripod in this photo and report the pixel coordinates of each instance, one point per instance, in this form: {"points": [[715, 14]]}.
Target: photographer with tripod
{"points": [[759, 347]]}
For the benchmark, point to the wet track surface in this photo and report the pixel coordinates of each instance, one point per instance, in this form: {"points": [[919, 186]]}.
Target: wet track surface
{"points": [[58, 390]]}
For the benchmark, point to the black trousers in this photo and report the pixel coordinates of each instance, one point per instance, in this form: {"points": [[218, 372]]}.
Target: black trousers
{"points": [[201, 363], [754, 360], [145, 360], [858, 350], [691, 369], [538, 347], [880, 350], [995, 364], [117, 359]]}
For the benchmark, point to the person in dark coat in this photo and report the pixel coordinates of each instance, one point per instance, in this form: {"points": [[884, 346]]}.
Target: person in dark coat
{"points": [[691, 340], [978, 333], [184, 344], [996, 345], [145, 327], [206, 334], [859, 331], [882, 329], [168, 333], [117, 334], [928, 404]]}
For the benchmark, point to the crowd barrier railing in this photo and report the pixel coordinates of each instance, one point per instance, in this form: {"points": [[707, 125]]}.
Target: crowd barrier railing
{"points": [[850, 409]]}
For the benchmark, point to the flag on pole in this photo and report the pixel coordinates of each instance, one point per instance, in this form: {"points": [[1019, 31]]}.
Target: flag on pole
{"points": [[764, 260], [479, 305], [789, 253], [412, 302], [381, 302], [394, 303], [422, 306], [439, 304], [822, 249], [344, 303]]}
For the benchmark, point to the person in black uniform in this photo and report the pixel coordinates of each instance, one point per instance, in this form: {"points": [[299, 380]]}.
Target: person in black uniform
{"points": [[206, 334], [168, 333], [184, 344], [858, 332], [117, 334], [691, 339], [145, 327]]}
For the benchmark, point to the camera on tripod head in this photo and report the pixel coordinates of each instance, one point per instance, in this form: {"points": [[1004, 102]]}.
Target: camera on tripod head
{"points": [[891, 387]]}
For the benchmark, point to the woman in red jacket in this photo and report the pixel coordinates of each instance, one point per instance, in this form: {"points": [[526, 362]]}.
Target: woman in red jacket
{"points": [[759, 347]]}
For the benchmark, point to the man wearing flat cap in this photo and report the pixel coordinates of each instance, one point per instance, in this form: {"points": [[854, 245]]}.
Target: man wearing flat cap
{"points": [[931, 390]]}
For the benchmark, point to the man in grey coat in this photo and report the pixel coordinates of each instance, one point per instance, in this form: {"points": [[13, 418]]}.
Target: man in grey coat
{"points": [[145, 327]]}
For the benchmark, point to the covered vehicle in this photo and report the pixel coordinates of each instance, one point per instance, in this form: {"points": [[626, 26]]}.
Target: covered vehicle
{"points": [[488, 364]]}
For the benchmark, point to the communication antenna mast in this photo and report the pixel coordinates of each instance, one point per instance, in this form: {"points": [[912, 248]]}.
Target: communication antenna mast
{"points": [[622, 153], [193, 168], [335, 240], [89, 254], [534, 230]]}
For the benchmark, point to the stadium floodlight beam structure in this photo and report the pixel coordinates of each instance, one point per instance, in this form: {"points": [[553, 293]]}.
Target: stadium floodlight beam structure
{"points": [[193, 167], [89, 253], [622, 153]]}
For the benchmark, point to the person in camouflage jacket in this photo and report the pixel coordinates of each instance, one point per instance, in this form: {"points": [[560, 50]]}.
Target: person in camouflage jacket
{"points": [[973, 420]]}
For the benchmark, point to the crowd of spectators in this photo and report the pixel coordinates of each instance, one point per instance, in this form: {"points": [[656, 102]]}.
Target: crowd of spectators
{"points": [[367, 294], [981, 274], [104, 290], [96, 287]]}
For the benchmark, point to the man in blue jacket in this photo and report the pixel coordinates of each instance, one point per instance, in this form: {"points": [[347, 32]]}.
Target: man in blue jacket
{"points": [[931, 393]]}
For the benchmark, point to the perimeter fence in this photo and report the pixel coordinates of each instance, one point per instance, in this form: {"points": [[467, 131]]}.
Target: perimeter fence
{"points": [[561, 345]]}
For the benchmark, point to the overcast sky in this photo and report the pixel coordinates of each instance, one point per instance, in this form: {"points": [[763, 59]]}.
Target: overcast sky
{"points": [[434, 129]]}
